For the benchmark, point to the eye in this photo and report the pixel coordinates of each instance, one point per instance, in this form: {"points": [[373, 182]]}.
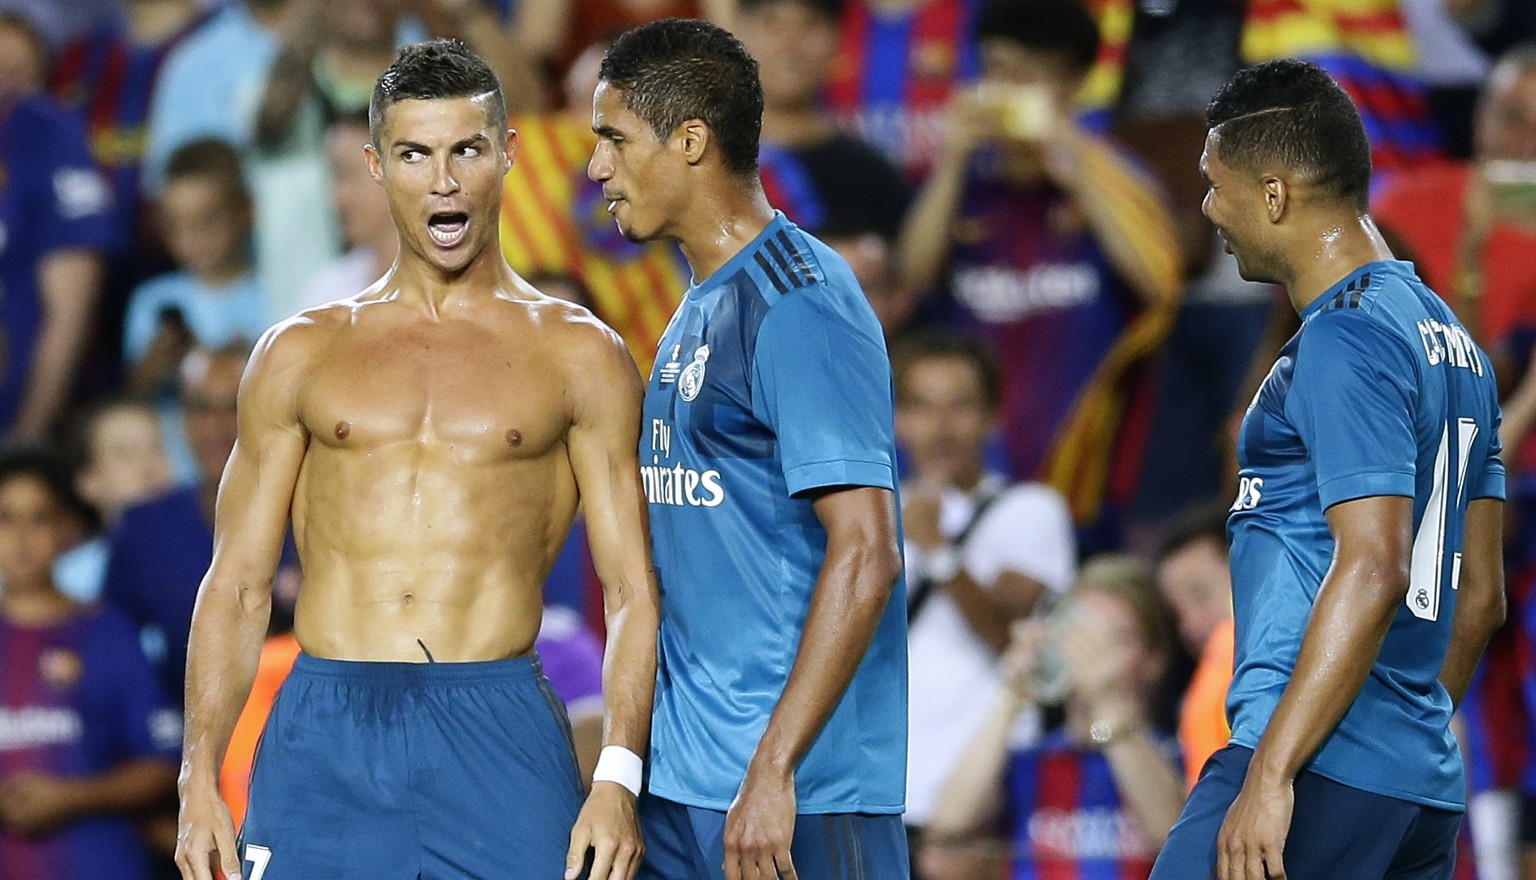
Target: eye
{"points": [[410, 155], [469, 152]]}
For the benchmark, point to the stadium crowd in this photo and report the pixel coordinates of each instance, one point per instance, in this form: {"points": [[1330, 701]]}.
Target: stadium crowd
{"points": [[1015, 184]]}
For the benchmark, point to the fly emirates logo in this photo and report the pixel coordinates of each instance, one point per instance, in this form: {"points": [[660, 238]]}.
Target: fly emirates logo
{"points": [[677, 485]]}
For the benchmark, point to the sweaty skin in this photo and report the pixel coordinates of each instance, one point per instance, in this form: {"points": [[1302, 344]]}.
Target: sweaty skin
{"points": [[430, 437]]}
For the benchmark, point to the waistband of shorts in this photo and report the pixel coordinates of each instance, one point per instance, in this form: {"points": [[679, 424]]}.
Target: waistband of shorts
{"points": [[426, 673]]}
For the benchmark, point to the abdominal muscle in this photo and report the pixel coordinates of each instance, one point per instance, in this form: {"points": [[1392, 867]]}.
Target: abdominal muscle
{"points": [[416, 552]]}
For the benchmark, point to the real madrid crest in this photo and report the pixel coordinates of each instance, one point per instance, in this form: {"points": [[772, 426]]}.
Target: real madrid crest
{"points": [[692, 378]]}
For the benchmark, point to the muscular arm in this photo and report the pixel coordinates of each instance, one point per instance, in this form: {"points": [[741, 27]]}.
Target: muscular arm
{"points": [[604, 435], [1355, 605], [234, 602], [1480, 598], [69, 281], [852, 590]]}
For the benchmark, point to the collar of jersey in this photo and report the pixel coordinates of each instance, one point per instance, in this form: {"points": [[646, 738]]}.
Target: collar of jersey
{"points": [[1397, 267], [698, 289]]}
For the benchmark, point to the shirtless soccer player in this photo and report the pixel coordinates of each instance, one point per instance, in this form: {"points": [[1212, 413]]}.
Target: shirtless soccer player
{"points": [[769, 464], [431, 437]]}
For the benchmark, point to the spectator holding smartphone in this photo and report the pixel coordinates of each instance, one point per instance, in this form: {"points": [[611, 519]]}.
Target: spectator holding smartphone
{"points": [[213, 298]]}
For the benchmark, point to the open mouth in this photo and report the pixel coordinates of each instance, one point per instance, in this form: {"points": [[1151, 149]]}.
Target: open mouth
{"points": [[448, 228]]}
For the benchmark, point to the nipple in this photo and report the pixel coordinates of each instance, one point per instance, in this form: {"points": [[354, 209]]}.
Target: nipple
{"points": [[514, 437], [343, 429]]}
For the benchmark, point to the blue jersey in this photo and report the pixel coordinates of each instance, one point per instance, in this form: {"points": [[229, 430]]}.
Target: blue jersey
{"points": [[771, 382], [1381, 392]]}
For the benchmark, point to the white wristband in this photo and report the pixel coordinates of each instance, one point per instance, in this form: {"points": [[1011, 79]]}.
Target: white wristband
{"points": [[618, 764]]}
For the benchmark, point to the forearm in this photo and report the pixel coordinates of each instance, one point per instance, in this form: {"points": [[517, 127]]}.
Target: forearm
{"points": [[988, 612], [1127, 219], [131, 787], [70, 281], [629, 666], [851, 595], [1350, 620], [924, 242], [1469, 639], [228, 626], [289, 82], [1149, 784], [970, 799]]}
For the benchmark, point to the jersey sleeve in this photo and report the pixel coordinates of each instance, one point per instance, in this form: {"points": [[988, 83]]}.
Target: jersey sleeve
{"points": [[74, 201], [1488, 479], [1352, 399], [822, 383]]}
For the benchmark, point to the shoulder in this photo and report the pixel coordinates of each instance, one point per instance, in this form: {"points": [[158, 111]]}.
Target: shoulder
{"points": [[580, 339], [1362, 314], [1034, 501]]}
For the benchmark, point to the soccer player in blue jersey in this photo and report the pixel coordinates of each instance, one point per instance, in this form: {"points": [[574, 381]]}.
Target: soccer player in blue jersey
{"points": [[1366, 568], [768, 457]]}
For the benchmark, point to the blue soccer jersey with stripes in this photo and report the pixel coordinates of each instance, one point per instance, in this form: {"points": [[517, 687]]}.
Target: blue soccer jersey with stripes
{"points": [[1381, 392], [770, 383]]}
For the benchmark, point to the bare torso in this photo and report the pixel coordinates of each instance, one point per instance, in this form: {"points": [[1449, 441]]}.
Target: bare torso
{"points": [[436, 488]]}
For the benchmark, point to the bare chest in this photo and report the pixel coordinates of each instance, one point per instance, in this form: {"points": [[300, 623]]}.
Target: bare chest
{"points": [[472, 394]]}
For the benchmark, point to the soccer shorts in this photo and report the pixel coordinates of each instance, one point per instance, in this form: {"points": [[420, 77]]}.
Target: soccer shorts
{"points": [[688, 843], [399, 771], [1337, 832]]}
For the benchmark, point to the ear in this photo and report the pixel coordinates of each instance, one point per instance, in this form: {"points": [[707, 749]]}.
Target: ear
{"points": [[375, 163], [1277, 197], [509, 150], [695, 140]]}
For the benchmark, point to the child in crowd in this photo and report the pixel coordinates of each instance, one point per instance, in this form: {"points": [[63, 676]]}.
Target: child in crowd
{"points": [[213, 298], [120, 461], [87, 744]]}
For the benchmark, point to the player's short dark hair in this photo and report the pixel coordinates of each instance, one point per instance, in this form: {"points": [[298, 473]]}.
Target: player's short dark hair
{"points": [[1206, 522], [50, 469], [1063, 26], [677, 69], [832, 9], [1292, 112], [921, 345], [211, 158], [433, 70]]}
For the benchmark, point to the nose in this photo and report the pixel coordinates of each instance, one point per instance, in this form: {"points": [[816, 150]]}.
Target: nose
{"points": [[443, 181], [1205, 205], [600, 168]]}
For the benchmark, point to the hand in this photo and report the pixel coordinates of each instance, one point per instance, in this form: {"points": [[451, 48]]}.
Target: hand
{"points": [[974, 118], [1026, 637], [609, 826], [760, 826], [35, 803], [205, 836], [920, 516], [1097, 664], [1252, 839]]}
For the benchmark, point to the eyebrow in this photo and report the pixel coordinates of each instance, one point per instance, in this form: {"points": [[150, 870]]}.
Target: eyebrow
{"points": [[423, 148], [606, 131]]}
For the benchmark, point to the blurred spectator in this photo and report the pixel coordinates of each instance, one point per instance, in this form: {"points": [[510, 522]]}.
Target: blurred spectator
{"points": [[1052, 245], [87, 743], [573, 661], [981, 553], [55, 213], [899, 63], [872, 258], [108, 74], [59, 22], [1098, 797], [210, 84], [1196, 580], [363, 212], [554, 221], [213, 298], [160, 549], [120, 461], [557, 32], [1472, 226], [824, 180]]}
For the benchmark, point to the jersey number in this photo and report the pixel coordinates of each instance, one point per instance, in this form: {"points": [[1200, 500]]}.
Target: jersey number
{"points": [[1428, 561], [258, 856]]}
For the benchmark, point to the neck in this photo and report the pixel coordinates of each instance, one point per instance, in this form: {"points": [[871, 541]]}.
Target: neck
{"points": [[1336, 248], [35, 604], [383, 253], [720, 223], [272, 17], [795, 126], [152, 22], [413, 279], [225, 274]]}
